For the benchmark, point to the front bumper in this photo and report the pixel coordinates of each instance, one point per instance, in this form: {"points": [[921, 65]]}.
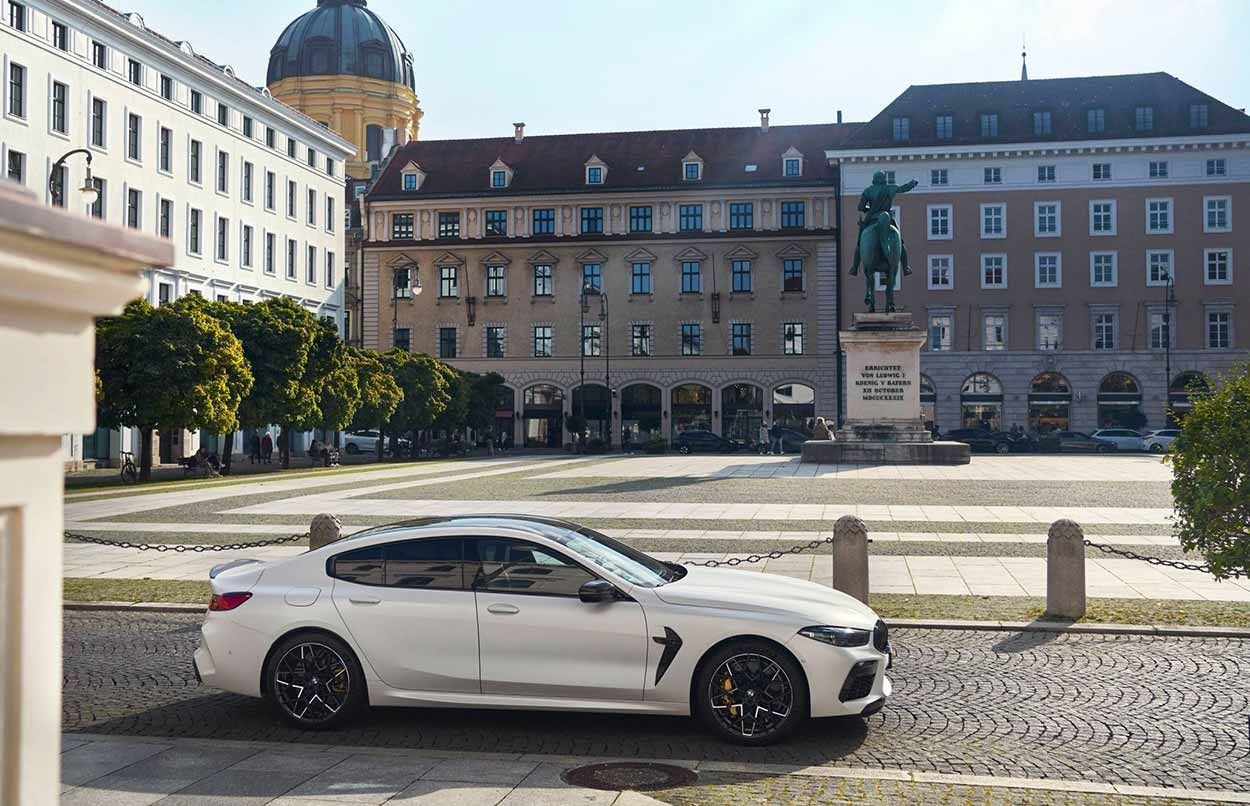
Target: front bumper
{"points": [[828, 669]]}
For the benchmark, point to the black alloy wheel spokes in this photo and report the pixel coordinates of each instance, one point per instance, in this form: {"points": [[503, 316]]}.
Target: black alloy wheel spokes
{"points": [[751, 695], [311, 682]]}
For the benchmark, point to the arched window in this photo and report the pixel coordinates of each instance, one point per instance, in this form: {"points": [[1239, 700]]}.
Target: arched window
{"points": [[741, 411], [691, 408], [1183, 387], [981, 402], [1050, 403], [641, 406], [794, 406], [1119, 402], [544, 416]]}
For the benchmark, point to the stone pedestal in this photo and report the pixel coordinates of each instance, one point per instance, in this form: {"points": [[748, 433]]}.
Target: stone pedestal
{"points": [[883, 423]]}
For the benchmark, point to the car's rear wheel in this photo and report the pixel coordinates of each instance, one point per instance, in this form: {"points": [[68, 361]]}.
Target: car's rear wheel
{"points": [[683, 449], [1156, 448], [352, 449], [315, 681], [1002, 447], [751, 692]]}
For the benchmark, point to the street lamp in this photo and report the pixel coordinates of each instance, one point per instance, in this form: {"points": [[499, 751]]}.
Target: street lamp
{"points": [[1169, 299], [590, 290], [55, 180]]}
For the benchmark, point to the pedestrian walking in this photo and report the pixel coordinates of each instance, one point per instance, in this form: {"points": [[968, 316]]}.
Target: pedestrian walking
{"points": [[775, 439], [253, 449], [627, 441], [266, 448], [763, 437]]}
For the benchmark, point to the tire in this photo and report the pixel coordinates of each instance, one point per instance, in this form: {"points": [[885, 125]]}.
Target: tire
{"points": [[746, 657], [1002, 447], [1105, 448], [684, 450], [305, 661], [352, 449], [1157, 448]]}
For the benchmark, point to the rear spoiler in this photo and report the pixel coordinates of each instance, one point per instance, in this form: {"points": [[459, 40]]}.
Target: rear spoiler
{"points": [[218, 569]]}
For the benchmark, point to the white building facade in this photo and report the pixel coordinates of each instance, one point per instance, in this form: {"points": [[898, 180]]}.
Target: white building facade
{"points": [[249, 190]]}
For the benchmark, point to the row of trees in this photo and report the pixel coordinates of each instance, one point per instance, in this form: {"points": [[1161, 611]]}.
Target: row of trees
{"points": [[224, 366]]}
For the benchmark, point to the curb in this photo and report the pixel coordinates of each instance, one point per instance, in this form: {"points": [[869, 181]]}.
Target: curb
{"points": [[138, 607]]}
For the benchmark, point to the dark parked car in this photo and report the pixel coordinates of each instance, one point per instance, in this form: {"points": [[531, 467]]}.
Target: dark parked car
{"points": [[982, 440], [703, 442], [1075, 442]]}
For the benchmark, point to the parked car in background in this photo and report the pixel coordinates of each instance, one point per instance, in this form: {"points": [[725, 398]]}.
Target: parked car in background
{"points": [[981, 440], [1077, 442], [360, 442], [1125, 439], [694, 441], [1160, 441]]}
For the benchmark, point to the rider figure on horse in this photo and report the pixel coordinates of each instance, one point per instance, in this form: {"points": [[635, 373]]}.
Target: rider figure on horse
{"points": [[878, 198]]}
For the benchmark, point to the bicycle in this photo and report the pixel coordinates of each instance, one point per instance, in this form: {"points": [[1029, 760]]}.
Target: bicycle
{"points": [[130, 473]]}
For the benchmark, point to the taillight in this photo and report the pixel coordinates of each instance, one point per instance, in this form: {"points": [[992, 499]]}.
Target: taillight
{"points": [[227, 601]]}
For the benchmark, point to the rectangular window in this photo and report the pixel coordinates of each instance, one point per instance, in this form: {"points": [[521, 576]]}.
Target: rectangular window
{"points": [[310, 211], [741, 215], [792, 274], [941, 272], [640, 219], [401, 281], [592, 220], [592, 340], [446, 342], [692, 339], [496, 341], [60, 36], [99, 122], [100, 55], [197, 102], [271, 137], [1047, 270], [889, 177], [134, 136], [740, 338], [640, 278], [195, 159], [1047, 219], [245, 247], [993, 221], [740, 276], [1158, 216], [495, 281], [17, 90], [194, 223], [401, 226], [165, 227], [167, 87], [496, 222], [792, 166], [902, 129], [1158, 169], [330, 166], [993, 271], [247, 182], [292, 191], [402, 339], [311, 156], [99, 208], [330, 264], [1219, 330], [1041, 124], [1158, 267], [989, 124], [1217, 167], [792, 338], [1217, 218], [165, 293], [793, 214], [995, 332], [1144, 118], [993, 176], [1102, 218], [134, 72], [1102, 171], [1160, 330], [1096, 120], [134, 208], [222, 250], [291, 146], [940, 329], [247, 127], [292, 258], [410, 181], [692, 171], [1198, 115], [592, 276], [57, 179], [223, 172], [270, 246], [543, 347], [448, 281], [939, 176], [544, 222], [945, 126], [1219, 267], [939, 222], [1104, 331], [60, 98], [640, 340], [594, 175], [1045, 173], [1103, 269], [690, 217], [310, 267], [499, 179], [271, 190], [691, 277], [165, 157], [542, 280], [1049, 331]]}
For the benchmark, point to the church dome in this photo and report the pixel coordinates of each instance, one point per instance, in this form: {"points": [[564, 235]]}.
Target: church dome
{"points": [[340, 37]]}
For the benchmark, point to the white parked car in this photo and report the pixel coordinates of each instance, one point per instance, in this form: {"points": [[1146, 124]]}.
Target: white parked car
{"points": [[1161, 441], [520, 612], [360, 442], [1125, 439]]}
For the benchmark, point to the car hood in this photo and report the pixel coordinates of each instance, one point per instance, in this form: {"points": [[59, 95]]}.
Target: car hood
{"points": [[766, 593]]}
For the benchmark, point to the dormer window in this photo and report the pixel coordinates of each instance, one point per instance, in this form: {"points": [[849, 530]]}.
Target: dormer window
{"points": [[410, 181], [691, 167], [500, 175], [412, 177], [594, 175], [794, 166], [902, 129], [792, 163]]}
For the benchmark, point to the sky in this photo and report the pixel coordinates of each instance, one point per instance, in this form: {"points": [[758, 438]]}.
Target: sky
{"points": [[580, 65]]}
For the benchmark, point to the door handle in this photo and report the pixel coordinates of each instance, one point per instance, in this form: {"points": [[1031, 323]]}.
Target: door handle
{"points": [[364, 600], [503, 609]]}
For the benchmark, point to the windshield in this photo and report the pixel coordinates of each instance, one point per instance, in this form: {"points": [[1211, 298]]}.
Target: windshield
{"points": [[612, 555]]}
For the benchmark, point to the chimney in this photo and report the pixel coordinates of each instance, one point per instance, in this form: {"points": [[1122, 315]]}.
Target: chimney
{"points": [[839, 116], [764, 119], [519, 134]]}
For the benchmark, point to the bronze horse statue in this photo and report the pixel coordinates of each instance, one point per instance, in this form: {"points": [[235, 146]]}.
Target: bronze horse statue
{"points": [[880, 246]]}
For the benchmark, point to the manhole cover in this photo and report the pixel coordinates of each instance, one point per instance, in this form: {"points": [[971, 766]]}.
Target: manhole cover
{"points": [[637, 776]]}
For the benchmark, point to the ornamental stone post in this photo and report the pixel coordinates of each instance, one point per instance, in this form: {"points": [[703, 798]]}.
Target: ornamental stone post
{"points": [[1065, 570], [325, 530], [850, 557]]}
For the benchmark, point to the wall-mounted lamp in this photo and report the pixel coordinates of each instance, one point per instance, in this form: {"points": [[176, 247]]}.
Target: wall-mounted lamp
{"points": [[715, 306], [471, 309]]}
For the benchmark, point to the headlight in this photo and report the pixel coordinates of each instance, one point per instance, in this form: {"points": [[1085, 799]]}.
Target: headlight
{"points": [[837, 636]]}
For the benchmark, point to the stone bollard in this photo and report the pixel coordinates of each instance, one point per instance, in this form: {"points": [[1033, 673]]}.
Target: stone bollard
{"points": [[325, 530], [1065, 570], [850, 557]]}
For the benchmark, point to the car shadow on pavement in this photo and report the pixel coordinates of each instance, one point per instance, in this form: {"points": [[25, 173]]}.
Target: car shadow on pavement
{"points": [[1027, 640]]}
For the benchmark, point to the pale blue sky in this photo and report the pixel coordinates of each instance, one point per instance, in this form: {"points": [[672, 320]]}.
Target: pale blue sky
{"points": [[581, 65]]}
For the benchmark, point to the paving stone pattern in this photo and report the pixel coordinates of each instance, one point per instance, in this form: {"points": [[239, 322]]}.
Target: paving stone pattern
{"points": [[1135, 710]]}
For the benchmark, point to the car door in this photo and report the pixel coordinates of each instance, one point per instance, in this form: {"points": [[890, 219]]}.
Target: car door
{"points": [[411, 613], [537, 638]]}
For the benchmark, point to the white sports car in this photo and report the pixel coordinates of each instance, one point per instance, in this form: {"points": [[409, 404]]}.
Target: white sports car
{"points": [[520, 612]]}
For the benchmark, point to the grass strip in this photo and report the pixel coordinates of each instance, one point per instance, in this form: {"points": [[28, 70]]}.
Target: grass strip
{"points": [[136, 590]]}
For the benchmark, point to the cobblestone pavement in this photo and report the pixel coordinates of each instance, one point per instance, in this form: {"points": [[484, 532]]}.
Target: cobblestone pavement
{"points": [[1131, 710]]}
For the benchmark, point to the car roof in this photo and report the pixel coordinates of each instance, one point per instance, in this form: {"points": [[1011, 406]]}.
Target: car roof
{"points": [[550, 528]]}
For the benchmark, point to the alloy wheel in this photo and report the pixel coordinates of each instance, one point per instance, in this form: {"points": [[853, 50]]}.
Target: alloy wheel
{"points": [[311, 683], [751, 695]]}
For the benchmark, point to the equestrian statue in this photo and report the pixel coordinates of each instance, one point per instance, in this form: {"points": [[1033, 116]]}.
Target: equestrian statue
{"points": [[880, 246]]}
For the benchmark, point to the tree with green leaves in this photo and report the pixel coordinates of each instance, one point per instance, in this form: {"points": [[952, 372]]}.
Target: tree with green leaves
{"points": [[167, 369], [379, 394], [1211, 475], [455, 414], [425, 389], [483, 399], [332, 375]]}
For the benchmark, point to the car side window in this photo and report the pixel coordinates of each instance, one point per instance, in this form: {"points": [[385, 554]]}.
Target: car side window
{"points": [[363, 566], [503, 565], [432, 564]]}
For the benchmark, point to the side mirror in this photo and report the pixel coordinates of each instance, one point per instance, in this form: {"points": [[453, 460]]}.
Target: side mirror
{"points": [[597, 590]]}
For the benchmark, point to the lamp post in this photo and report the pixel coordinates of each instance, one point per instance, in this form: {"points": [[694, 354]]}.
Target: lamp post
{"points": [[1169, 299], [56, 180]]}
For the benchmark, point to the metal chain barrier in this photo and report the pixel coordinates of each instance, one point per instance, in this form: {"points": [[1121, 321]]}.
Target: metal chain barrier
{"points": [[178, 548], [1182, 566], [772, 555]]}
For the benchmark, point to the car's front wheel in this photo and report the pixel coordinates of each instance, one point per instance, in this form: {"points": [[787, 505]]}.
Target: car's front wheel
{"points": [[315, 681], [750, 692]]}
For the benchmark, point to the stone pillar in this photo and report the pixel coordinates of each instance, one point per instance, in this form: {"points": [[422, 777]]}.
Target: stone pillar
{"points": [[325, 530], [1065, 570], [58, 271], [850, 557]]}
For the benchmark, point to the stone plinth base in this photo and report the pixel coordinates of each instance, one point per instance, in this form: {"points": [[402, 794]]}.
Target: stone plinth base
{"points": [[837, 452], [884, 431]]}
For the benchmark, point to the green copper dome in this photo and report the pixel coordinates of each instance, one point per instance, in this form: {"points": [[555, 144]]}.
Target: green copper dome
{"points": [[340, 37]]}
